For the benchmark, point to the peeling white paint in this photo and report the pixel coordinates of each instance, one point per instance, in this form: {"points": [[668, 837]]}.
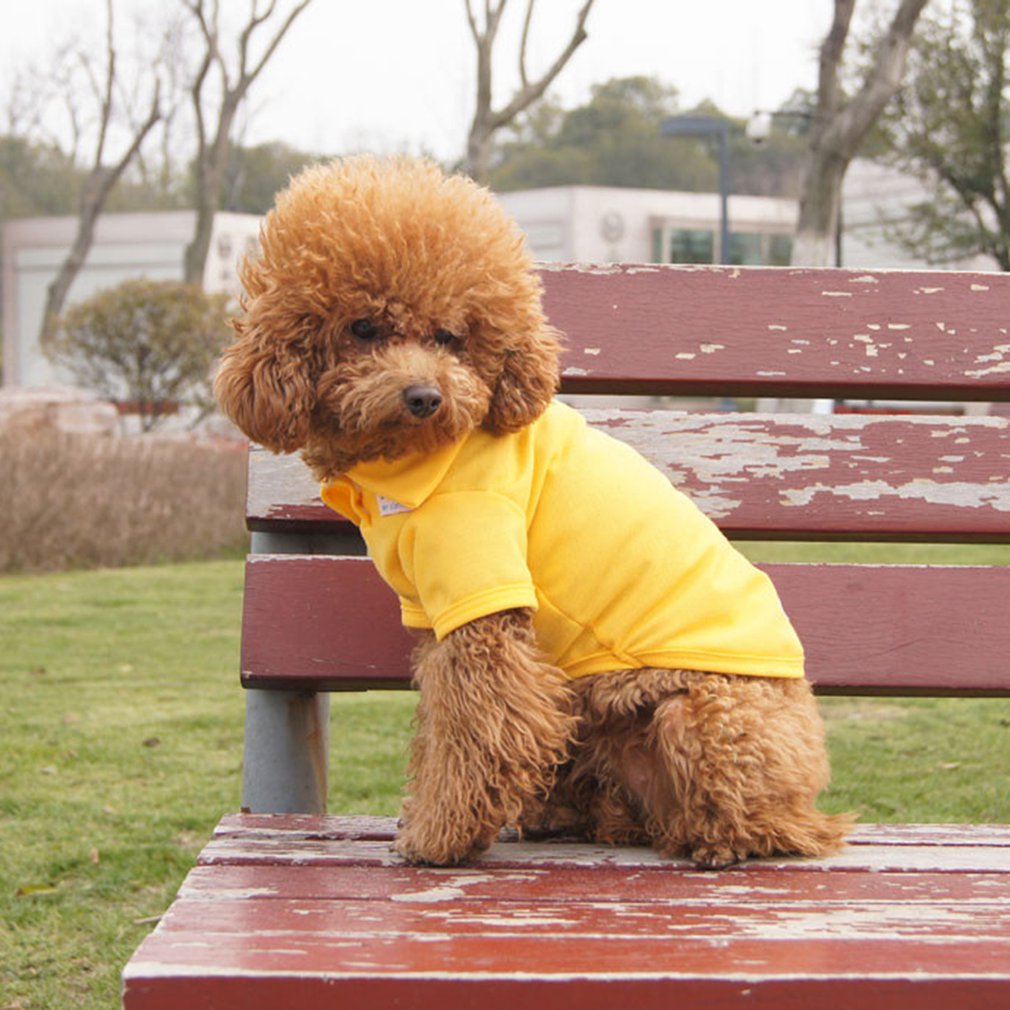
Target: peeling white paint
{"points": [[712, 348], [591, 350], [864, 279], [980, 287], [999, 352], [980, 373], [686, 356], [928, 291], [899, 326], [837, 294], [777, 326], [432, 894], [959, 493], [741, 450]]}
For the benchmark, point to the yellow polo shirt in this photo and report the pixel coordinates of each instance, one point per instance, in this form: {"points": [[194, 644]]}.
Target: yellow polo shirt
{"points": [[622, 570]]}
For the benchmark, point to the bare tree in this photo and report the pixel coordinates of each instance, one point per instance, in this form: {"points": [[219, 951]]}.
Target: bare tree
{"points": [[487, 120], [102, 177], [840, 125], [215, 116]]}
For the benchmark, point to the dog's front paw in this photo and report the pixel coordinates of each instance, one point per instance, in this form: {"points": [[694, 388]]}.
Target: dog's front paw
{"points": [[428, 847], [716, 856]]}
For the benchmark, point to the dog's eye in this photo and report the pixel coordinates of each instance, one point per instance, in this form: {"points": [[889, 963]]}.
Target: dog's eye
{"points": [[444, 337], [364, 329]]}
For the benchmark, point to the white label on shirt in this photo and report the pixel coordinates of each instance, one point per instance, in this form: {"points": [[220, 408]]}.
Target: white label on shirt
{"points": [[388, 507]]}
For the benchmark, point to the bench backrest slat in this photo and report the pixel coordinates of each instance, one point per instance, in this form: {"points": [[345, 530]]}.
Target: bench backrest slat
{"points": [[866, 629], [784, 477], [729, 331]]}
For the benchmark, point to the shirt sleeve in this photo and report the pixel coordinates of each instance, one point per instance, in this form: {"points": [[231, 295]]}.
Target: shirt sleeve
{"points": [[465, 554]]}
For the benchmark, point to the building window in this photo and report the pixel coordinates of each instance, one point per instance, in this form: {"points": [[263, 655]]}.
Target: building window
{"points": [[760, 249], [698, 245], [690, 245]]}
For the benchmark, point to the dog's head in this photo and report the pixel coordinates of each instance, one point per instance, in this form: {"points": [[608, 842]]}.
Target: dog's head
{"points": [[391, 309]]}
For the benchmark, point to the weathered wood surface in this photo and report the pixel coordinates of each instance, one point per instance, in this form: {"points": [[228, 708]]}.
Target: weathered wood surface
{"points": [[793, 476], [332, 624], [731, 331], [346, 923], [370, 828]]}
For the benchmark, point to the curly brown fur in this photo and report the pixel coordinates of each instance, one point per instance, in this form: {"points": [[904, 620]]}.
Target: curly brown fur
{"points": [[493, 724], [377, 278], [439, 270], [705, 765]]}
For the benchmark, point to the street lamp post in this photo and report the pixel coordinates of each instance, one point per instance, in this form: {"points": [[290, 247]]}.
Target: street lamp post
{"points": [[682, 126]]}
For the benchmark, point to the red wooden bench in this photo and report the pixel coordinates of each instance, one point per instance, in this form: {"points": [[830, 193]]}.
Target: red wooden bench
{"points": [[289, 907]]}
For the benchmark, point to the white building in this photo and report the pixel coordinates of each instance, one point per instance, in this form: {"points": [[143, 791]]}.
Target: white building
{"points": [[604, 224], [126, 245]]}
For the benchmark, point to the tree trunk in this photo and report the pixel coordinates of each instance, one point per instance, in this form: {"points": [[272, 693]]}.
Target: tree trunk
{"points": [[56, 293], [212, 158], [816, 241], [840, 127], [94, 195], [210, 173]]}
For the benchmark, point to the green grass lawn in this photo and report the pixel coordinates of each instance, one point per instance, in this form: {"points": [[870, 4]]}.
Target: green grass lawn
{"points": [[120, 747]]}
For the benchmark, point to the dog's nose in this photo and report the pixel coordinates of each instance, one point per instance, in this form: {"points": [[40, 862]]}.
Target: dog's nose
{"points": [[422, 401]]}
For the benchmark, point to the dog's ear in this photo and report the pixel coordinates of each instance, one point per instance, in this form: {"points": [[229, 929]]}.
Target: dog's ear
{"points": [[265, 386], [526, 383]]}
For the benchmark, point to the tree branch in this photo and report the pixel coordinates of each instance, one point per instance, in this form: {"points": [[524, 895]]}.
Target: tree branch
{"points": [[854, 121], [524, 80], [831, 58], [110, 78], [281, 32], [531, 92]]}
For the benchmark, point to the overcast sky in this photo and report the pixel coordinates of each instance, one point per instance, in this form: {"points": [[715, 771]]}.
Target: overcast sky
{"points": [[398, 74]]}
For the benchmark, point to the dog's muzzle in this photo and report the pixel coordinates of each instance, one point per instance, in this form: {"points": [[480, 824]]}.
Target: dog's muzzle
{"points": [[422, 401]]}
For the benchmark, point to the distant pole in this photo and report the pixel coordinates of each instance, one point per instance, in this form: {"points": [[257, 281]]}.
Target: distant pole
{"points": [[684, 126], [724, 244]]}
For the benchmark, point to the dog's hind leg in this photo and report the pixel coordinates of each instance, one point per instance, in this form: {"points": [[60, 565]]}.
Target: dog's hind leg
{"points": [[494, 723], [740, 761]]}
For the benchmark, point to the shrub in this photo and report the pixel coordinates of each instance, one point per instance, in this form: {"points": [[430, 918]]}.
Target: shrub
{"points": [[148, 344], [72, 501]]}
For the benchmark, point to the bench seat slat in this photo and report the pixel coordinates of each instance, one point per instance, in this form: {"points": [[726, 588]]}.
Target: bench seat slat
{"points": [[369, 827], [793, 476], [618, 916], [330, 623], [608, 927], [318, 879], [175, 982], [921, 859], [730, 331]]}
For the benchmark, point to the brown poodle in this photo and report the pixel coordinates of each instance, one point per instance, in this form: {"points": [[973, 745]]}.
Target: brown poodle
{"points": [[393, 333]]}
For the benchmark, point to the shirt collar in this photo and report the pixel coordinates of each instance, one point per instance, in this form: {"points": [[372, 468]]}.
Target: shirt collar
{"points": [[409, 481]]}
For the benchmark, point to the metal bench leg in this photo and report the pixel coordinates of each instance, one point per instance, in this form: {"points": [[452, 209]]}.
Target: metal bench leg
{"points": [[286, 749]]}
